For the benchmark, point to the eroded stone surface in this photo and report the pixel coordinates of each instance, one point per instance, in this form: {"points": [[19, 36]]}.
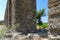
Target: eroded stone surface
{"points": [[54, 19], [21, 14]]}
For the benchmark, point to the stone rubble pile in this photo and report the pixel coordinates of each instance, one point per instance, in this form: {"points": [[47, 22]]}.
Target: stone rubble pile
{"points": [[19, 36]]}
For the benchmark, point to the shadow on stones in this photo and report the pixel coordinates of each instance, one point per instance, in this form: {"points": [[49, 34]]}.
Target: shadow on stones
{"points": [[42, 32]]}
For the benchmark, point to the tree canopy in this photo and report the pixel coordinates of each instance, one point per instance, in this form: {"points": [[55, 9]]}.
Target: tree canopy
{"points": [[39, 14]]}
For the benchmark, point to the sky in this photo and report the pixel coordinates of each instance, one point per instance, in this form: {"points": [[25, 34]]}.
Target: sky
{"points": [[39, 5], [42, 4], [2, 8]]}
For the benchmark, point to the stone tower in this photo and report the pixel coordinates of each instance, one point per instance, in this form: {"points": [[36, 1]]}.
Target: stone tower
{"points": [[21, 14], [54, 18]]}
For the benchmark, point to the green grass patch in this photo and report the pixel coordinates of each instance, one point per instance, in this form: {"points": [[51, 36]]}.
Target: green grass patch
{"points": [[44, 25]]}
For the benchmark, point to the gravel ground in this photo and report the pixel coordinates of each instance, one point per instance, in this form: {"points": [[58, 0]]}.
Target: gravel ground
{"points": [[18, 36]]}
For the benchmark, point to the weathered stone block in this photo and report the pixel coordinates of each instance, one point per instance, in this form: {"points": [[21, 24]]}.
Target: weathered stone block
{"points": [[21, 13], [54, 17]]}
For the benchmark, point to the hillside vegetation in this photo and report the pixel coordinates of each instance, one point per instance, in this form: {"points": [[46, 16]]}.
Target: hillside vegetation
{"points": [[1, 23]]}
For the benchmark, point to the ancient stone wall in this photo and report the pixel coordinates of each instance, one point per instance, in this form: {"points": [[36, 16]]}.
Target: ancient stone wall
{"points": [[54, 17], [6, 17], [25, 14], [8, 14], [21, 13]]}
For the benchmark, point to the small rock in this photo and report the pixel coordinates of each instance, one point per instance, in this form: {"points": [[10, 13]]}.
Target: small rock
{"points": [[8, 35]]}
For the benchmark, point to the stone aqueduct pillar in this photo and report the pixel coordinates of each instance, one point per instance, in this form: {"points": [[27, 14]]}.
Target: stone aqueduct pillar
{"points": [[54, 18], [7, 20], [21, 13]]}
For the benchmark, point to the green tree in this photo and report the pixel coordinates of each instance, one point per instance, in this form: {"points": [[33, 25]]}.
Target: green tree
{"points": [[39, 14]]}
